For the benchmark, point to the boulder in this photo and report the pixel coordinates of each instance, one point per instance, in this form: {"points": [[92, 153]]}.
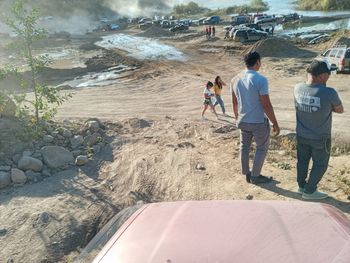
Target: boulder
{"points": [[48, 138], [18, 176], [5, 168], [67, 133], [7, 106], [33, 176], [27, 153], [5, 179], [56, 156], [81, 160], [94, 126], [76, 141], [29, 163], [16, 158], [92, 139]]}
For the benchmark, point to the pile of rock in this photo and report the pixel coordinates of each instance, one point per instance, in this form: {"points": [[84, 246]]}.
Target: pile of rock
{"points": [[59, 148]]}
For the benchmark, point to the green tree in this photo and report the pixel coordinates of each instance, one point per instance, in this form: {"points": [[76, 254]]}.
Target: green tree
{"points": [[191, 8], [46, 99]]}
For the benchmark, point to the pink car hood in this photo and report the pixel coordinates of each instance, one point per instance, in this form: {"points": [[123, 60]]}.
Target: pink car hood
{"points": [[231, 231]]}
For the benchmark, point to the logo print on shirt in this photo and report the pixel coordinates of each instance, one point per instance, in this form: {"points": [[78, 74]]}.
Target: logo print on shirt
{"points": [[308, 103]]}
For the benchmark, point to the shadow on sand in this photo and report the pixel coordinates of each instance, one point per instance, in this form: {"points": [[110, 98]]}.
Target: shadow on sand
{"points": [[273, 187]]}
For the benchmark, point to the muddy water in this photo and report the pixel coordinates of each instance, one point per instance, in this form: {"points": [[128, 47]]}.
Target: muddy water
{"points": [[98, 79], [141, 48]]}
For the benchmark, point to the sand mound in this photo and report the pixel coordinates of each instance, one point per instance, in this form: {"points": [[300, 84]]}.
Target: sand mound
{"points": [[278, 47], [156, 32]]}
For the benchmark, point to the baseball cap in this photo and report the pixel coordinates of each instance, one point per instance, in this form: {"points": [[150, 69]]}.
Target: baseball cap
{"points": [[317, 67]]}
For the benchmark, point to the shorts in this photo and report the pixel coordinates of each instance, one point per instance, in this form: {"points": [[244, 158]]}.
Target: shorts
{"points": [[207, 102]]}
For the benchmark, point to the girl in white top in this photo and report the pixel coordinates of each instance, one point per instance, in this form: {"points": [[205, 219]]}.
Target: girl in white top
{"points": [[209, 99]]}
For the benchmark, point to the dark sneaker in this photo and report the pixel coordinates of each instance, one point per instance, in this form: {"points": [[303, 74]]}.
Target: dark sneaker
{"points": [[317, 195], [301, 190], [260, 179], [248, 176]]}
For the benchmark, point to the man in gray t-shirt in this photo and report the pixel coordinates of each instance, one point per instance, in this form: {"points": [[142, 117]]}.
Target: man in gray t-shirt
{"points": [[252, 109], [314, 104]]}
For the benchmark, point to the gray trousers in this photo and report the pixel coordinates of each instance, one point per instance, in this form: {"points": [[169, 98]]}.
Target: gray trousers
{"points": [[261, 134], [319, 152]]}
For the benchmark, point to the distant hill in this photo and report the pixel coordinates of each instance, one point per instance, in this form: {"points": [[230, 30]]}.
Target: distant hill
{"points": [[324, 5]]}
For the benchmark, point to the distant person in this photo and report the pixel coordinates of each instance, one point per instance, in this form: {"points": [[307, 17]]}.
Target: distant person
{"points": [[253, 110], [209, 31], [208, 99], [213, 31], [314, 104], [218, 85]]}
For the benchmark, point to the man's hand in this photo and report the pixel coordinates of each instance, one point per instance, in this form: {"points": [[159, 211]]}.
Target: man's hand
{"points": [[276, 129]]}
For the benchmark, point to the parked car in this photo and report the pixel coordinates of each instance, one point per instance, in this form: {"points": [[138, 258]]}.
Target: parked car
{"points": [[223, 231], [338, 57], [264, 19], [178, 27], [198, 22], [249, 34], [145, 25], [212, 20], [144, 20], [165, 24], [239, 20], [290, 17]]}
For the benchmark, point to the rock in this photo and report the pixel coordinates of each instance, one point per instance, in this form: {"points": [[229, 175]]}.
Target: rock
{"points": [[18, 176], [67, 133], [76, 153], [5, 168], [81, 160], [76, 141], [185, 145], [27, 153], [37, 155], [60, 137], [3, 232], [56, 156], [225, 129], [44, 218], [200, 167], [7, 106], [249, 197], [8, 162], [96, 149], [92, 139], [30, 163], [33, 176], [16, 158], [5, 179], [45, 172], [48, 138], [94, 126]]}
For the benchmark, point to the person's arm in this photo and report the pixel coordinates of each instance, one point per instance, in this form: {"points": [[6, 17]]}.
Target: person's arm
{"points": [[268, 109], [338, 109], [337, 105], [235, 105]]}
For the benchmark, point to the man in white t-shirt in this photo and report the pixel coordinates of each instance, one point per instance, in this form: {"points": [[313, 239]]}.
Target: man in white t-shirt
{"points": [[253, 110]]}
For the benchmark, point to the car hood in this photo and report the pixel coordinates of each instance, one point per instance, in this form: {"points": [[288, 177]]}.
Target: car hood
{"points": [[231, 231]]}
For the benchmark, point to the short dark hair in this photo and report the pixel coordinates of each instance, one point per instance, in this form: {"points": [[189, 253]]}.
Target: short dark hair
{"points": [[210, 84], [251, 58]]}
